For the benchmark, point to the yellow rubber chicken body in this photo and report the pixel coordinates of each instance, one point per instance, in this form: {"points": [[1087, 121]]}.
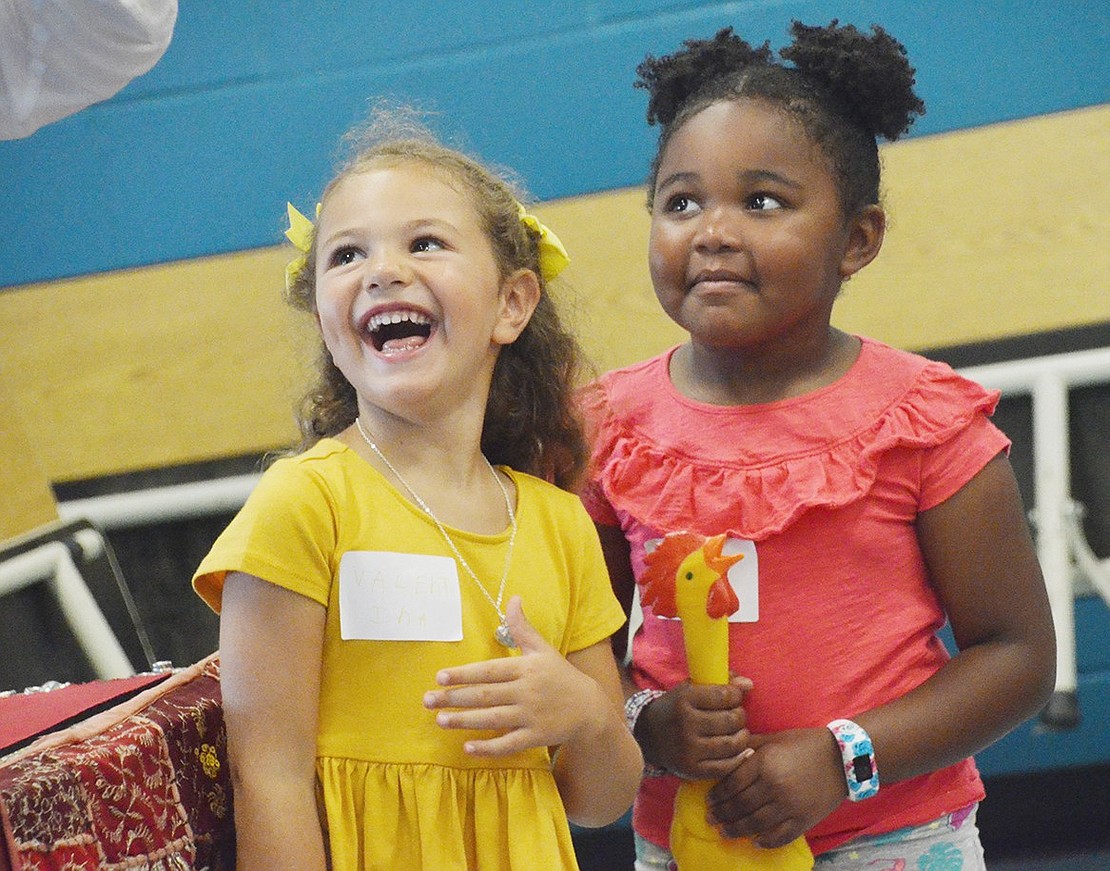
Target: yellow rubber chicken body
{"points": [[687, 577]]}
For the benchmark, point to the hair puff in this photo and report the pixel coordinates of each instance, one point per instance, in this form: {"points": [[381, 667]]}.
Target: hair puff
{"points": [[672, 79], [869, 74]]}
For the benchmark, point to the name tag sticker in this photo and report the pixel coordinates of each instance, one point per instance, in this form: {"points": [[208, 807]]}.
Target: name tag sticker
{"points": [[743, 577], [385, 596]]}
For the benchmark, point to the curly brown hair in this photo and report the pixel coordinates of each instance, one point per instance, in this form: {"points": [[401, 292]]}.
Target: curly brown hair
{"points": [[845, 88], [531, 421]]}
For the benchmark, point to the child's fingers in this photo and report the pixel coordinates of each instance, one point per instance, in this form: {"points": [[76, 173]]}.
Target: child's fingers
{"points": [[715, 697], [714, 769], [740, 778], [486, 695], [717, 757], [716, 724], [503, 718], [503, 668], [502, 745], [526, 637], [488, 671], [780, 834]]}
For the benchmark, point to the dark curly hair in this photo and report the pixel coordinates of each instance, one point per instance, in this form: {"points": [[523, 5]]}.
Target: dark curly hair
{"points": [[845, 88], [531, 423]]}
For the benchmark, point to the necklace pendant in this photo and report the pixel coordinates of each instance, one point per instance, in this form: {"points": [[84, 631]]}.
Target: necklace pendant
{"points": [[503, 635]]}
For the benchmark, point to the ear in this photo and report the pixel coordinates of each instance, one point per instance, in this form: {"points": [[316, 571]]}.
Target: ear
{"points": [[520, 294], [865, 237]]}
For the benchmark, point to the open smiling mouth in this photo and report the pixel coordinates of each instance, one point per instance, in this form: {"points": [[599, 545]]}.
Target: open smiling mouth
{"points": [[393, 332]]}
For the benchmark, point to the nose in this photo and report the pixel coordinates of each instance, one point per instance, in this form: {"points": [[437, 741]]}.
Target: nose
{"points": [[718, 230], [385, 267]]}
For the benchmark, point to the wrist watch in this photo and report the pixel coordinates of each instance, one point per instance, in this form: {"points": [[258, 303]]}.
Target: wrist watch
{"points": [[860, 771]]}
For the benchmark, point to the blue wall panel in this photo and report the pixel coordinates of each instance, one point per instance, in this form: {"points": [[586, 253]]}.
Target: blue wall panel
{"points": [[244, 111], [1031, 747]]}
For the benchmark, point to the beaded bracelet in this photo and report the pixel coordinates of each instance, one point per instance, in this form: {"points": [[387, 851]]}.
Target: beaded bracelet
{"points": [[633, 707]]}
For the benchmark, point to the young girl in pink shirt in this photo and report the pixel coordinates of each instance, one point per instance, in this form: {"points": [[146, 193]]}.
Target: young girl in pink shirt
{"points": [[871, 496]]}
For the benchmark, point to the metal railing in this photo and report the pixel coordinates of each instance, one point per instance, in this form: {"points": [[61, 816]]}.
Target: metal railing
{"points": [[1062, 547], [53, 560]]}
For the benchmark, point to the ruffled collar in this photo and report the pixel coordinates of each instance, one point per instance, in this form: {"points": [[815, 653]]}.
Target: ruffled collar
{"points": [[754, 469]]}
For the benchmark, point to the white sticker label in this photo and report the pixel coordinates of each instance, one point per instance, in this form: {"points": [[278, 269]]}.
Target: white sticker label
{"points": [[385, 596], [743, 577]]}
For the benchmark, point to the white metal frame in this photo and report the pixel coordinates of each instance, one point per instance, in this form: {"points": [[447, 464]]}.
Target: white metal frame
{"points": [[53, 563], [1062, 548], [162, 504]]}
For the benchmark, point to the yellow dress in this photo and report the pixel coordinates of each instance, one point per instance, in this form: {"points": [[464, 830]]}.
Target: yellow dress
{"points": [[398, 791]]}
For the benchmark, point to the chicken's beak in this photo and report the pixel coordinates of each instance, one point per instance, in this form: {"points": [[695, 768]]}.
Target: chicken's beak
{"points": [[717, 560]]}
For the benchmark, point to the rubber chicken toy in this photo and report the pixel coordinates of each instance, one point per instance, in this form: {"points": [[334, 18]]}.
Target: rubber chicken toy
{"points": [[687, 577]]}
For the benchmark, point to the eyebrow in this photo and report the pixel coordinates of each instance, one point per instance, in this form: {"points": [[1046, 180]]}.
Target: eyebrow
{"points": [[675, 177], [747, 177], [418, 225], [754, 176]]}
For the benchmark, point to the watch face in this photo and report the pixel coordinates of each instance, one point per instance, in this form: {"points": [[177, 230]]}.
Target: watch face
{"points": [[861, 768]]}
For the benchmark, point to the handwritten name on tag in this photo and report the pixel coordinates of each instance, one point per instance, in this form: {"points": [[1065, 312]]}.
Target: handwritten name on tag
{"points": [[386, 596]]}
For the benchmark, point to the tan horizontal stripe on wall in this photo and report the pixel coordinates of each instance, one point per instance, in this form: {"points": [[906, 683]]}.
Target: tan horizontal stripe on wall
{"points": [[153, 367], [997, 231]]}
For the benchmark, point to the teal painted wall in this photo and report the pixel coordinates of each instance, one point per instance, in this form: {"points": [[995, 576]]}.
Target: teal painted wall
{"points": [[245, 109]]}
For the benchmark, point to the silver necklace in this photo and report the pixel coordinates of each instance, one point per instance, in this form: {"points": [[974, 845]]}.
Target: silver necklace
{"points": [[502, 633]]}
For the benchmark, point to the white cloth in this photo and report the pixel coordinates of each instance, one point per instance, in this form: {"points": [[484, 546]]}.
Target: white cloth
{"points": [[59, 56]]}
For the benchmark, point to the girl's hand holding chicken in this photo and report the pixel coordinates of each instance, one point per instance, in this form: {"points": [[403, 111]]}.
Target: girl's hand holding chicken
{"points": [[791, 781], [697, 731]]}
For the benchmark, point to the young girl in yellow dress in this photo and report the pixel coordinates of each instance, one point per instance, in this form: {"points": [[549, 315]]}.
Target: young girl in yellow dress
{"points": [[415, 615]]}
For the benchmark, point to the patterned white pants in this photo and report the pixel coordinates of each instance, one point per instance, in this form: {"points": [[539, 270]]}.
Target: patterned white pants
{"points": [[950, 843]]}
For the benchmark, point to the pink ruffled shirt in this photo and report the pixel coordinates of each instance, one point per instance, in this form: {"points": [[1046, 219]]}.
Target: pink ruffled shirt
{"points": [[828, 486]]}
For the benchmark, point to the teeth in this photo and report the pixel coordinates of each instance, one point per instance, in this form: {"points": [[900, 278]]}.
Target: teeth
{"points": [[396, 317]]}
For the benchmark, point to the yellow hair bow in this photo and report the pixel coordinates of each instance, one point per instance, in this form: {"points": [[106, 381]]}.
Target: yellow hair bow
{"points": [[300, 233], [553, 256]]}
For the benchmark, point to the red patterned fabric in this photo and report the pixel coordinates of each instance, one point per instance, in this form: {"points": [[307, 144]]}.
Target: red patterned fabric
{"points": [[144, 785]]}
